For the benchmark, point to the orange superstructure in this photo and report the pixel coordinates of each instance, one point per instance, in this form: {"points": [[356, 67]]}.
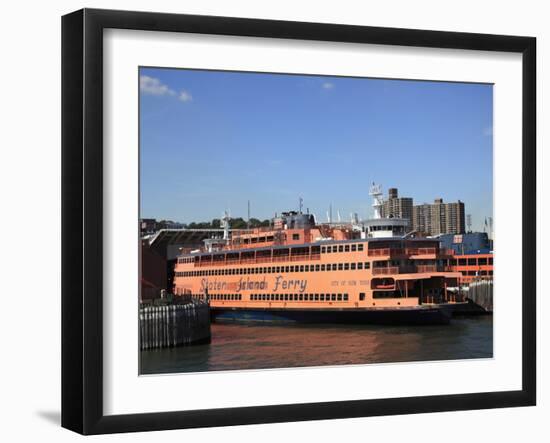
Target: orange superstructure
{"points": [[471, 266], [297, 270]]}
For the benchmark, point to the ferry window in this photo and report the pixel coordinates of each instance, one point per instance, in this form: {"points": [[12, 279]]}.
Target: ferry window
{"points": [[269, 238], [263, 297], [306, 268], [346, 266], [483, 272], [472, 262], [353, 248], [295, 236], [333, 297], [286, 297], [462, 262], [367, 265], [361, 296], [246, 241], [453, 262], [359, 265], [345, 297], [341, 248], [490, 272], [317, 268], [323, 250], [322, 267], [490, 260], [316, 297], [287, 268], [335, 248], [277, 269], [292, 269], [346, 248], [352, 266], [334, 266], [301, 297], [482, 261], [301, 268], [254, 240], [360, 247], [339, 297], [340, 266], [262, 240]]}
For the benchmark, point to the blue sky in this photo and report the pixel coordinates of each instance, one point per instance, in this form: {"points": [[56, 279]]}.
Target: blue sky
{"points": [[212, 140]]}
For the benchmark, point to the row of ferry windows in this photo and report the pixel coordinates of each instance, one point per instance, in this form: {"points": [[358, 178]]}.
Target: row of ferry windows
{"points": [[299, 297], [324, 249], [342, 248], [277, 269], [279, 297]]}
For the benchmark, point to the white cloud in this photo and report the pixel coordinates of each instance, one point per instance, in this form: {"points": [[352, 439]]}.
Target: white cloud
{"points": [[185, 96], [328, 85], [153, 86]]}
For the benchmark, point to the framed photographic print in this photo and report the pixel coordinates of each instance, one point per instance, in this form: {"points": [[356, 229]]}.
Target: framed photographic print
{"points": [[268, 221]]}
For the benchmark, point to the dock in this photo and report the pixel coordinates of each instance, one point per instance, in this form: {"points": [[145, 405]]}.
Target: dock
{"points": [[174, 324]]}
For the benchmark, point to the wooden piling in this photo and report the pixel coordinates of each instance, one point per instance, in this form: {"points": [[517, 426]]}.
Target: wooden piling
{"points": [[480, 292], [174, 324]]}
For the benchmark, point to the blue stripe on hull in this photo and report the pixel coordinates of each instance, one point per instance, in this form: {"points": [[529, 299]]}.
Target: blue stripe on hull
{"points": [[356, 316]]}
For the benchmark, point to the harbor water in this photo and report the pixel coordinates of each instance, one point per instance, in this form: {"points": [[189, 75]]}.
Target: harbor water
{"points": [[241, 347]]}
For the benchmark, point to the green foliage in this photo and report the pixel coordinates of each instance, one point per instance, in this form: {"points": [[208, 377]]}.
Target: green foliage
{"points": [[235, 223]]}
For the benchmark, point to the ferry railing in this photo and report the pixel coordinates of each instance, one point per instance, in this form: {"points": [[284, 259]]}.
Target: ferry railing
{"points": [[421, 251], [386, 271], [257, 260], [384, 252], [392, 252]]}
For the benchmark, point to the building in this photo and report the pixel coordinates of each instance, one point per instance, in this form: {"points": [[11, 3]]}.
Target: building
{"points": [[439, 218], [398, 207], [422, 218]]}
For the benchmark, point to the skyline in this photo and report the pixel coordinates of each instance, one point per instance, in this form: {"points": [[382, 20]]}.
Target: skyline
{"points": [[210, 141]]}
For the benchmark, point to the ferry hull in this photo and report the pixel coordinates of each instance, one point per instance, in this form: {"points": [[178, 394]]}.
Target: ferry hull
{"points": [[389, 316]]}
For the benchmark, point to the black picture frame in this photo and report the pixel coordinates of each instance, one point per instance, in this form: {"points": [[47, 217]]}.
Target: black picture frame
{"points": [[82, 190]]}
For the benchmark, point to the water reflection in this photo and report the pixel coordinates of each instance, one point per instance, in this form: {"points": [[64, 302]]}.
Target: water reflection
{"points": [[237, 347]]}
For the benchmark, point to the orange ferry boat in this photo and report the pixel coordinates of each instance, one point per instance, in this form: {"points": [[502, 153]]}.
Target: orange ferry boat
{"points": [[298, 271]]}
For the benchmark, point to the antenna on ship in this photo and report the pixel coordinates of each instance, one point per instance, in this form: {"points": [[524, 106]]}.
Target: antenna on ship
{"points": [[300, 204], [338, 216], [225, 225], [376, 193]]}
